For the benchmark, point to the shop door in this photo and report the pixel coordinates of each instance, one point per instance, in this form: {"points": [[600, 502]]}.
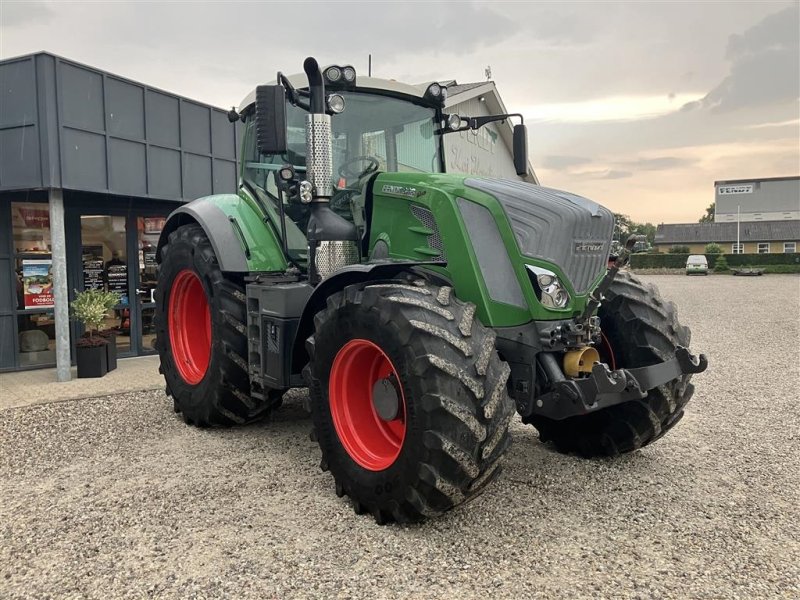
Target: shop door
{"points": [[118, 254], [147, 231], [105, 258]]}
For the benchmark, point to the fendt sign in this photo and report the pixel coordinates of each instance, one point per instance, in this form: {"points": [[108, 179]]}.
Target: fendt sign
{"points": [[725, 190]]}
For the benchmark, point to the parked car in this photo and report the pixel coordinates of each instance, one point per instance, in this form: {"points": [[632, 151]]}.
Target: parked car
{"points": [[697, 264]]}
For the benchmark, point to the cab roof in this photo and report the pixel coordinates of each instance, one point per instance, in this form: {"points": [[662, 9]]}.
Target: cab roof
{"points": [[363, 84]]}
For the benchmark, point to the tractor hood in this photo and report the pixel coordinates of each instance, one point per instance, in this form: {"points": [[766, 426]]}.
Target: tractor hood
{"points": [[558, 227]]}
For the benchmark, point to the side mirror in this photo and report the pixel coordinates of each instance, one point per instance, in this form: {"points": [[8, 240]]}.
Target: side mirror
{"points": [[271, 119], [521, 149]]}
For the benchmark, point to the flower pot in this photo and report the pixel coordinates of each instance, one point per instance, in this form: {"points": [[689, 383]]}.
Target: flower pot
{"points": [[111, 348], [92, 360]]}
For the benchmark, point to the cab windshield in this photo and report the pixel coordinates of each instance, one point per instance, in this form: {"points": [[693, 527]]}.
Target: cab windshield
{"points": [[374, 133]]}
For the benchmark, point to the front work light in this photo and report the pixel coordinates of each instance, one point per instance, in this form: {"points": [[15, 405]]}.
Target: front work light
{"points": [[349, 74], [286, 173], [336, 103], [306, 191], [549, 289], [453, 122]]}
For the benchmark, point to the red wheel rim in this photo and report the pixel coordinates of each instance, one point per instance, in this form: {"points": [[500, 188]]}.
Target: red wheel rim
{"points": [[189, 327], [369, 440]]}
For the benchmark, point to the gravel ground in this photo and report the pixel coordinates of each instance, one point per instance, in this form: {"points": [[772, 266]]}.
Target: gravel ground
{"points": [[116, 497]]}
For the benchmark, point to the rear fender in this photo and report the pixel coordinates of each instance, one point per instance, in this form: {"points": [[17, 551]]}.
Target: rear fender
{"points": [[242, 240]]}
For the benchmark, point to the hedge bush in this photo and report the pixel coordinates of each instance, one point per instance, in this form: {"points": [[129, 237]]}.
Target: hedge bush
{"points": [[678, 261]]}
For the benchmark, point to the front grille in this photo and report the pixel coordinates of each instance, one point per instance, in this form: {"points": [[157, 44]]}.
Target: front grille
{"points": [[425, 216], [558, 227]]}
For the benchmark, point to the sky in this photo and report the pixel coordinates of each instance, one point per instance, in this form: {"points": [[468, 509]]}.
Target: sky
{"points": [[640, 106]]}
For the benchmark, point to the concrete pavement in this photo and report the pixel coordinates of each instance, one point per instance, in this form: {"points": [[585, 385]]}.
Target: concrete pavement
{"points": [[24, 388]]}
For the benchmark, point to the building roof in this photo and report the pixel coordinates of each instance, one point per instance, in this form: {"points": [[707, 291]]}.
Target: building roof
{"points": [[703, 233], [454, 88], [734, 181], [457, 93]]}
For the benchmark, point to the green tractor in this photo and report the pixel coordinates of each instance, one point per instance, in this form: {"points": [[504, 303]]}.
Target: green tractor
{"points": [[421, 309]]}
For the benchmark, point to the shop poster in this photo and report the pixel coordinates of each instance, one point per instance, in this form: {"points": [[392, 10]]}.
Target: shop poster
{"points": [[37, 283]]}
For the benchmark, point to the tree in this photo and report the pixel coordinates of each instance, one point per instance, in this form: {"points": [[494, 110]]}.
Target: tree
{"points": [[721, 265], [624, 226], [709, 216], [713, 248]]}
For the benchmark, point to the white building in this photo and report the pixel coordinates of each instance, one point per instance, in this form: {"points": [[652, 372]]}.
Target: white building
{"points": [[769, 199], [487, 152]]}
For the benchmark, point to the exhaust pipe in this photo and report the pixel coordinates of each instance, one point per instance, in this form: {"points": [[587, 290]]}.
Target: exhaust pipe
{"points": [[332, 240]]}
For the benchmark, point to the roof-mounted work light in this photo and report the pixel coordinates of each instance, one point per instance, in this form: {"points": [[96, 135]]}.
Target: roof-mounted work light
{"points": [[340, 77], [436, 93]]}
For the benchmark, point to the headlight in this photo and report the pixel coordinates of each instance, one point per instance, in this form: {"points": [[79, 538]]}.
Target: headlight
{"points": [[549, 289], [349, 74], [306, 192], [435, 90]]}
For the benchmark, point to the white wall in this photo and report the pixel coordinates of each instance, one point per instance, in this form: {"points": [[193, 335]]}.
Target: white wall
{"points": [[483, 152]]}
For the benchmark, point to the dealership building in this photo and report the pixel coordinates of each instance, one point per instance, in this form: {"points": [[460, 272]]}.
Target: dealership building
{"points": [[92, 163], [90, 166]]}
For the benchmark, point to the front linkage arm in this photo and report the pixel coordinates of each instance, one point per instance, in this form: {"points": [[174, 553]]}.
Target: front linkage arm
{"points": [[604, 388]]}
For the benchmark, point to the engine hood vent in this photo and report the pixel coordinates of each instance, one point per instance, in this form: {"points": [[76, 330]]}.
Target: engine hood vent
{"points": [[562, 228]]}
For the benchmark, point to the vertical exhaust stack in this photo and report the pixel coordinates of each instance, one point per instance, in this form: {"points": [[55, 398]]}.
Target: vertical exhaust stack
{"points": [[332, 240]]}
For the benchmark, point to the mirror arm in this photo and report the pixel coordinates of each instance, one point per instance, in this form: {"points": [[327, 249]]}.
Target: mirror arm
{"points": [[478, 122], [292, 93], [473, 123]]}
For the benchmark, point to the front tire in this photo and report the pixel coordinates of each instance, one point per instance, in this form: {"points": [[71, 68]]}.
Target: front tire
{"points": [[639, 329], [200, 334], [440, 438]]}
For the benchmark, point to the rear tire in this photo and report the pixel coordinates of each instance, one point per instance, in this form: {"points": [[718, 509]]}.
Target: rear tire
{"points": [[641, 330], [210, 385], [447, 439]]}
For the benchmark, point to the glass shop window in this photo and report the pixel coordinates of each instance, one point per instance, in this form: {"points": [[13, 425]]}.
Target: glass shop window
{"points": [[30, 226]]}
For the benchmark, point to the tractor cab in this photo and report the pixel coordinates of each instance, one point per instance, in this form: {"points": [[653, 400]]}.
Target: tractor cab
{"points": [[376, 125], [380, 126]]}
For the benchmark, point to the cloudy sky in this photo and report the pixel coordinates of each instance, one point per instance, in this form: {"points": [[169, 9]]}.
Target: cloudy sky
{"points": [[639, 105]]}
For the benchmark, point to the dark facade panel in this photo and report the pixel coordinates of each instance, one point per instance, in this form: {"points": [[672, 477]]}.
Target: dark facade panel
{"points": [[81, 97], [20, 162], [127, 167], [8, 300], [68, 125], [197, 180], [163, 119], [83, 157], [18, 100], [20, 166], [223, 136], [164, 176], [124, 108], [195, 128], [7, 350], [224, 176]]}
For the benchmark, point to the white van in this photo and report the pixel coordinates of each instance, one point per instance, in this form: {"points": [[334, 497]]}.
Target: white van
{"points": [[697, 264]]}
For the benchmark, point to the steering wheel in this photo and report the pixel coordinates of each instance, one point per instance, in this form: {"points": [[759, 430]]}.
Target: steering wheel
{"points": [[344, 169]]}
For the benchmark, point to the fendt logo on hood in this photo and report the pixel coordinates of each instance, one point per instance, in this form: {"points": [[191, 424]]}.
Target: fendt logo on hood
{"points": [[587, 247], [401, 190]]}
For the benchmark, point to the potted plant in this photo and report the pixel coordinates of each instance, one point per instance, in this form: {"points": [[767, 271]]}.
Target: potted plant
{"points": [[90, 308]]}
